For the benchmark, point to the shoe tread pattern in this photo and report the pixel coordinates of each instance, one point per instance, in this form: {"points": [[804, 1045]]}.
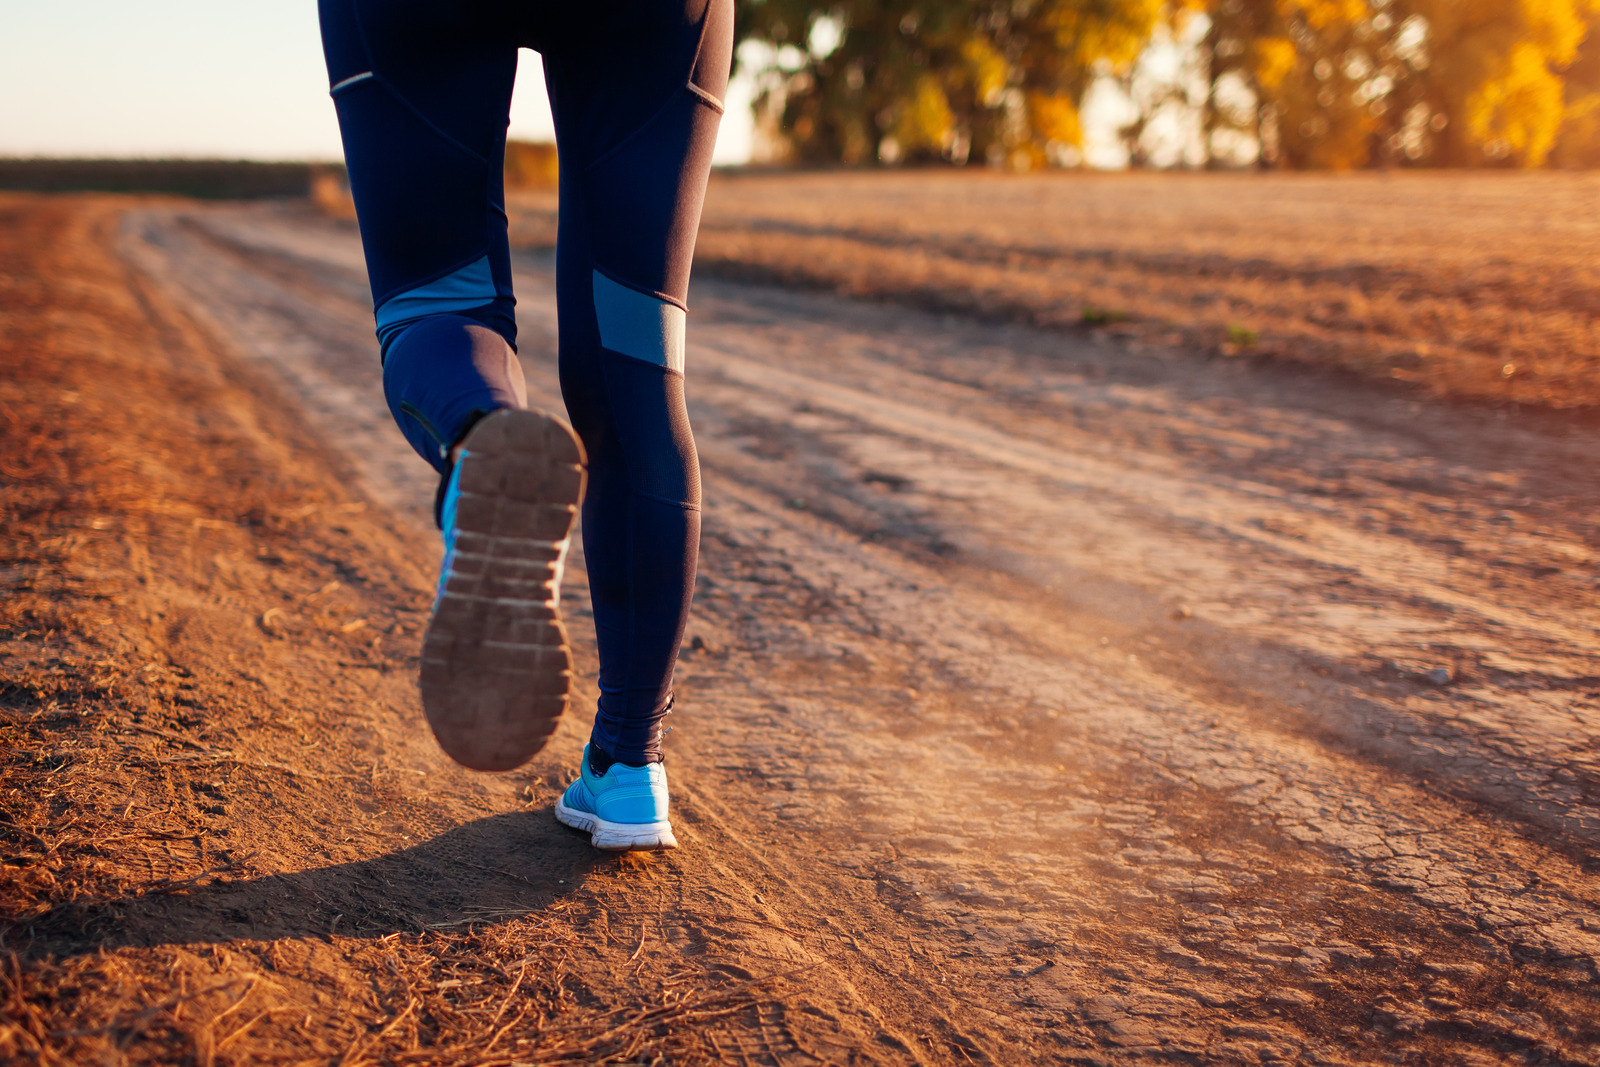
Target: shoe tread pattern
{"points": [[496, 665]]}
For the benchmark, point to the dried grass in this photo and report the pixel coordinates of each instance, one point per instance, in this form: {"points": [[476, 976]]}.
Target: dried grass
{"points": [[1473, 286]]}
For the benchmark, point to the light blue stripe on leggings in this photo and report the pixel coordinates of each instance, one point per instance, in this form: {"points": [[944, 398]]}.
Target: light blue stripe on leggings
{"points": [[469, 287], [639, 325]]}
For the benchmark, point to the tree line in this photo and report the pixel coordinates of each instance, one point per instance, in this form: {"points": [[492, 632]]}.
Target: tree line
{"points": [[1275, 83]]}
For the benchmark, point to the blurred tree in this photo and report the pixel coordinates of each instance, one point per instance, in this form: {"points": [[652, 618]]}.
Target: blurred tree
{"points": [[1490, 70], [996, 81], [1291, 75], [1578, 141], [1350, 83], [1296, 83]]}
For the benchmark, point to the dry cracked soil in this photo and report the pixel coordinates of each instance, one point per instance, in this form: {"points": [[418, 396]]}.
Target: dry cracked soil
{"points": [[1044, 700]]}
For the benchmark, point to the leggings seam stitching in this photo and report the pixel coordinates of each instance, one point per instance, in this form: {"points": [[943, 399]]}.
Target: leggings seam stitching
{"points": [[706, 98], [688, 86], [408, 408], [699, 46], [667, 500], [663, 297], [425, 120], [361, 33], [484, 254], [633, 619], [643, 126]]}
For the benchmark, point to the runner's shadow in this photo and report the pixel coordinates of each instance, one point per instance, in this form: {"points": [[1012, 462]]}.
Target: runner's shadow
{"points": [[497, 868]]}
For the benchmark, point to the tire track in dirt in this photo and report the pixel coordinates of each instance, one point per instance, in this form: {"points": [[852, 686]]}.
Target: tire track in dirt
{"points": [[936, 700]]}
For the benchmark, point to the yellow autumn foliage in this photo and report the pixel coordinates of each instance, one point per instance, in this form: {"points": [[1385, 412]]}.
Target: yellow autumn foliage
{"points": [[1084, 33], [1519, 112], [1275, 59], [1578, 143], [986, 67], [1056, 118], [1478, 81], [1322, 15], [1496, 66], [1316, 83], [925, 121]]}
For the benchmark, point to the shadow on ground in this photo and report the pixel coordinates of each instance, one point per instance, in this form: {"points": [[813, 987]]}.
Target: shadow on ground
{"points": [[493, 869]]}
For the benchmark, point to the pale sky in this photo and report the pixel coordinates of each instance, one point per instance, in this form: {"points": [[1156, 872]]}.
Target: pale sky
{"points": [[235, 79]]}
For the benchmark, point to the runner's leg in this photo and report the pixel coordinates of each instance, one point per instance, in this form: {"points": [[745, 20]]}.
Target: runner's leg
{"points": [[637, 99], [423, 91]]}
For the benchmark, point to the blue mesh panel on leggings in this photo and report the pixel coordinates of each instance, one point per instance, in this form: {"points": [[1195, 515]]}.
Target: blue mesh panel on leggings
{"points": [[423, 90]]}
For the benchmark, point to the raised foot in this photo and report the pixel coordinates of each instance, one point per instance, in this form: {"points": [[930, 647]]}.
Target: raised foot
{"points": [[496, 666]]}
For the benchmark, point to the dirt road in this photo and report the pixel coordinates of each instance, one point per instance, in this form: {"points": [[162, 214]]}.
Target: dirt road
{"points": [[1044, 702]]}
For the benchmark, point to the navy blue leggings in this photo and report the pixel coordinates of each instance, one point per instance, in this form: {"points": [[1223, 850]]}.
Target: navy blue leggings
{"points": [[423, 91]]}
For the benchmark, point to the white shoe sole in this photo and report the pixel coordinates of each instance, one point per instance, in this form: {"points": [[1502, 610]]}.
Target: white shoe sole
{"points": [[496, 666], [618, 836]]}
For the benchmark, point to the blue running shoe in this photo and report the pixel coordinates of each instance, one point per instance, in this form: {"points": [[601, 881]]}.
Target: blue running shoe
{"points": [[623, 810], [496, 666]]}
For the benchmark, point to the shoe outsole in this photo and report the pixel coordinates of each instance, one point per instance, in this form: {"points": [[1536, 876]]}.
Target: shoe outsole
{"points": [[496, 664], [618, 836]]}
